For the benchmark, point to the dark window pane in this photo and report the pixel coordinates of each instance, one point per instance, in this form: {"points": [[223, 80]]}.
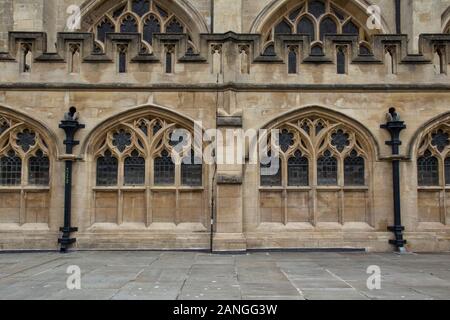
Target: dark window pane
{"points": [[354, 170], [294, 14], [327, 170], [164, 170], [340, 61], [363, 50], [26, 139], [283, 28], [447, 171], [104, 28], [141, 7], [350, 28], [327, 26], [340, 140], [151, 26], [10, 169], [107, 167], [38, 169], [174, 27], [292, 61], [128, 24], [121, 140], [192, 172], [169, 62], [118, 11], [298, 173], [269, 51], [163, 13], [440, 140], [428, 170], [317, 50], [305, 26], [134, 169], [316, 8], [268, 180], [122, 62], [286, 140]]}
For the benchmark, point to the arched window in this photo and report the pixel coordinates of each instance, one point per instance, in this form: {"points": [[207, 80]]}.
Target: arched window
{"points": [[306, 26], [192, 171], [341, 60], [323, 175], [428, 170], [134, 169], [169, 61], [139, 16], [292, 60], [440, 60], [298, 170], [151, 26], [164, 169], [10, 169], [128, 24], [327, 170], [107, 167], [122, 61], [317, 18], [39, 169], [354, 170]]}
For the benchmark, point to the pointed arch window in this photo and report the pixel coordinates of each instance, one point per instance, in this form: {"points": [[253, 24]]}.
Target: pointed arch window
{"points": [[134, 169], [103, 28], [316, 8], [341, 60], [428, 170], [140, 7], [10, 169], [283, 28], [327, 169], [151, 26], [306, 26], [298, 170], [292, 60], [107, 170], [327, 26], [354, 170], [129, 24], [164, 169], [39, 169]]}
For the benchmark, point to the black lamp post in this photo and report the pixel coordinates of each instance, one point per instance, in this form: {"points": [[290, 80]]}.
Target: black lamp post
{"points": [[70, 125], [394, 125]]}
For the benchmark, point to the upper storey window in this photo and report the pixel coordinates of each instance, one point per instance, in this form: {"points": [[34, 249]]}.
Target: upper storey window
{"points": [[139, 16], [318, 18]]}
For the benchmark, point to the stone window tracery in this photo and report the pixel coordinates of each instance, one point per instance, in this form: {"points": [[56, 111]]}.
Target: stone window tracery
{"points": [[139, 173], [139, 16], [317, 18], [323, 164], [433, 173]]}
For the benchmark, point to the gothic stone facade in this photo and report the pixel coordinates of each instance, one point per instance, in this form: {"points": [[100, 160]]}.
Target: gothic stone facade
{"points": [[135, 70]]}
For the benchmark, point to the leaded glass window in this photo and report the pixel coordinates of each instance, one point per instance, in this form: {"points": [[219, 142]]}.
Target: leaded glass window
{"points": [[164, 169], [298, 170], [192, 172], [327, 26], [39, 169], [107, 170], [283, 28], [103, 28], [140, 7], [174, 26], [10, 169], [350, 28], [316, 8], [151, 26], [129, 24], [306, 26], [327, 170], [269, 178], [134, 169], [354, 170], [428, 170]]}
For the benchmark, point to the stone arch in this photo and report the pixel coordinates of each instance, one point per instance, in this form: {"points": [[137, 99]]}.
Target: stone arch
{"points": [[271, 13], [320, 111], [92, 10], [48, 135], [445, 20]]}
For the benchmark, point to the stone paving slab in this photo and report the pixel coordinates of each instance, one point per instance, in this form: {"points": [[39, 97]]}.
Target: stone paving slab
{"points": [[200, 276]]}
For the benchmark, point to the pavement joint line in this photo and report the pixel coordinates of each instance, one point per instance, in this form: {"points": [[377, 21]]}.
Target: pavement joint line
{"points": [[29, 268], [185, 279], [290, 281], [344, 281]]}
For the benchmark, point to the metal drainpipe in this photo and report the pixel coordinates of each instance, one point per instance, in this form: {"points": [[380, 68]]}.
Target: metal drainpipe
{"points": [[395, 126], [398, 17], [70, 125]]}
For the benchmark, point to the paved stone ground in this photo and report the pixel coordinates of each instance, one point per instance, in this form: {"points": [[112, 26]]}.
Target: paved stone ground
{"points": [[201, 276]]}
